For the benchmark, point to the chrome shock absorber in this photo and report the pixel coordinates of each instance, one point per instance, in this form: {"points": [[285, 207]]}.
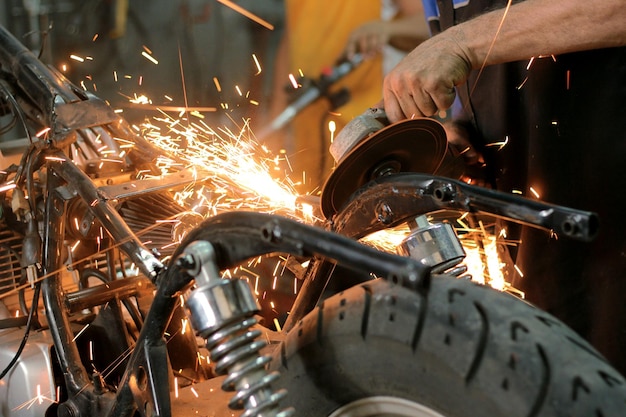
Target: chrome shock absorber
{"points": [[221, 312], [435, 245]]}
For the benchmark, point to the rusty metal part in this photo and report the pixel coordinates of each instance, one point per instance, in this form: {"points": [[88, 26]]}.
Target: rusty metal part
{"points": [[396, 199], [415, 145]]}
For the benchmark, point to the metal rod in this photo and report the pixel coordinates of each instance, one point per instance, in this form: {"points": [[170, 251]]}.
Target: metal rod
{"points": [[76, 377]]}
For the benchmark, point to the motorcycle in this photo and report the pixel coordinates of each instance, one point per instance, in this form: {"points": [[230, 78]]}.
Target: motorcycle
{"points": [[369, 332]]}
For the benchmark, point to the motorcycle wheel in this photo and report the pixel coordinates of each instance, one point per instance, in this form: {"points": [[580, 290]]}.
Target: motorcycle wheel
{"points": [[463, 350]]}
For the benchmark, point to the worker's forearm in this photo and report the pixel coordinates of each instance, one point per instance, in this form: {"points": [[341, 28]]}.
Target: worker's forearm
{"points": [[541, 27], [413, 26], [406, 32]]}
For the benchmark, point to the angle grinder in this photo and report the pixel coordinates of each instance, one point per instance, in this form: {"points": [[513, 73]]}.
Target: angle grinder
{"points": [[369, 146]]}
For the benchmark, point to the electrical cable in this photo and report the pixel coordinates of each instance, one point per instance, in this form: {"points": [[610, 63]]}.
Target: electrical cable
{"points": [[18, 113], [31, 314]]}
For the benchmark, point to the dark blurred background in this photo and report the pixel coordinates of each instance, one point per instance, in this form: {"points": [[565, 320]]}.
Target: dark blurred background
{"points": [[199, 41]]}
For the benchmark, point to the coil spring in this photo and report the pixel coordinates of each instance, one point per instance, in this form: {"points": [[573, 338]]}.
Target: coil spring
{"points": [[235, 350]]}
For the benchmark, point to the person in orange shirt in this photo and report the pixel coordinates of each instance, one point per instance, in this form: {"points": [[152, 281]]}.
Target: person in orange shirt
{"points": [[315, 38]]}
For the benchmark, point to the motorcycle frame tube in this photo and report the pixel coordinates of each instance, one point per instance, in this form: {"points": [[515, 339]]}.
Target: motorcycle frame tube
{"points": [[394, 199], [34, 78], [81, 395], [75, 375], [104, 211], [238, 236], [150, 354]]}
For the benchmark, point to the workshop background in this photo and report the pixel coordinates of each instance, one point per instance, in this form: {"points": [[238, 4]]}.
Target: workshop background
{"points": [[192, 43], [205, 54]]}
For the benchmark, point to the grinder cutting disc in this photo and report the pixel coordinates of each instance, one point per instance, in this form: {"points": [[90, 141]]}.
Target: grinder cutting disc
{"points": [[414, 145]]}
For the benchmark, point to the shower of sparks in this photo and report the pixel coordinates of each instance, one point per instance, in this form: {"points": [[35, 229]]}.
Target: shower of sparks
{"points": [[388, 239], [37, 400], [483, 261], [237, 166]]}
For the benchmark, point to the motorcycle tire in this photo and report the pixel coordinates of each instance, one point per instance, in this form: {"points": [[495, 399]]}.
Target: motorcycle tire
{"points": [[462, 350]]}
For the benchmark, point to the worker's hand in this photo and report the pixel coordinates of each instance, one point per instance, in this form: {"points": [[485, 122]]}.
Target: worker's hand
{"points": [[423, 82], [368, 39]]}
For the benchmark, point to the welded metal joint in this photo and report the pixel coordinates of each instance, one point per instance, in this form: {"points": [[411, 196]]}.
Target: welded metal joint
{"points": [[444, 193], [384, 213]]}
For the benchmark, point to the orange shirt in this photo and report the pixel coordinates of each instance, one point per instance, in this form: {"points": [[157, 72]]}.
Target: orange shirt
{"points": [[317, 32]]}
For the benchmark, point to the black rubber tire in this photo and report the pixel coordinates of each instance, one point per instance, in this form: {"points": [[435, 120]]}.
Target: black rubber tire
{"points": [[464, 350]]}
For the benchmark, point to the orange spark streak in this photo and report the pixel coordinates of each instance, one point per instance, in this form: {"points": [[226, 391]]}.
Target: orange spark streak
{"points": [[535, 193], [218, 87], [293, 80], [7, 187], [149, 57], [482, 67], [332, 127], [258, 65], [42, 132], [247, 14], [171, 108], [277, 324]]}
